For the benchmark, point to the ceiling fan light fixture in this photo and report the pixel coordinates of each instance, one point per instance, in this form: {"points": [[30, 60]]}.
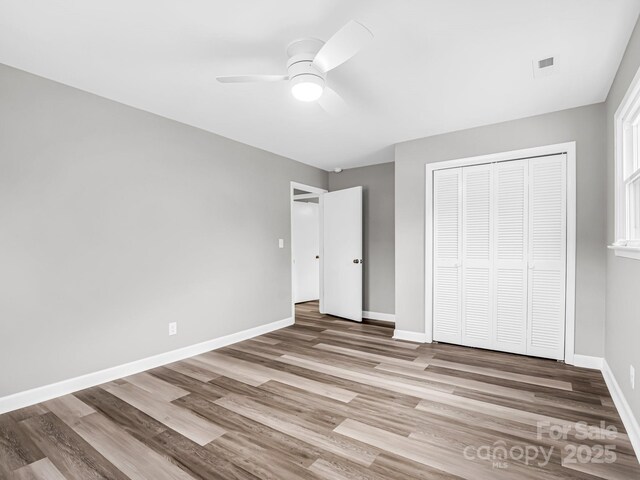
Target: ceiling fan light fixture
{"points": [[307, 87]]}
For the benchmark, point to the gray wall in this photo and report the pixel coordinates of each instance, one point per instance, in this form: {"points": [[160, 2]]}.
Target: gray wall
{"points": [[586, 126], [378, 211], [623, 274], [115, 222]]}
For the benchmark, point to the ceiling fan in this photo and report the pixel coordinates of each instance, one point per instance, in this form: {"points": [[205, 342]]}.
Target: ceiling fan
{"points": [[310, 60]]}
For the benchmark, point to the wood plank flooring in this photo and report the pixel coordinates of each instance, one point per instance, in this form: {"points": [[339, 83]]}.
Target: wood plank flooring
{"points": [[328, 399]]}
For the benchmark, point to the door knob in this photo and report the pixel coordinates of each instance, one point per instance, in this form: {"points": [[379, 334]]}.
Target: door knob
{"points": [[357, 260]]}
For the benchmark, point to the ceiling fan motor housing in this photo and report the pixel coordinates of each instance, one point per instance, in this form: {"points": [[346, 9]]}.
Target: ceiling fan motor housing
{"points": [[300, 68]]}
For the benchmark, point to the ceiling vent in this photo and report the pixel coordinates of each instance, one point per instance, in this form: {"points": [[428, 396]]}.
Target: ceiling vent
{"points": [[545, 62], [544, 67]]}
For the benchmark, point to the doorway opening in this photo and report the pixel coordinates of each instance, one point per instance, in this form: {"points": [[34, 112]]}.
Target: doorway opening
{"points": [[306, 244], [326, 250]]}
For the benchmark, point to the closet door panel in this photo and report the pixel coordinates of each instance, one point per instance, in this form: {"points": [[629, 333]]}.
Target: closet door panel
{"points": [[477, 237], [446, 264], [547, 256], [510, 281]]}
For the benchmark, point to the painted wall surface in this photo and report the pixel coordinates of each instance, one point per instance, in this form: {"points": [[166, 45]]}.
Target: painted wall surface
{"points": [[115, 222], [623, 274], [379, 235], [585, 125]]}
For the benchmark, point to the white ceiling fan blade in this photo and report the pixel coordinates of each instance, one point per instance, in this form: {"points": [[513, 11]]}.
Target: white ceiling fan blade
{"points": [[332, 103], [251, 78], [346, 42]]}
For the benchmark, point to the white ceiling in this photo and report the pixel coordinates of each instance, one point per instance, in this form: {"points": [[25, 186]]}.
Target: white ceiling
{"points": [[434, 65]]}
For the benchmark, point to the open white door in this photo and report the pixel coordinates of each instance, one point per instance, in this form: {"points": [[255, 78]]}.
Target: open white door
{"points": [[342, 235]]}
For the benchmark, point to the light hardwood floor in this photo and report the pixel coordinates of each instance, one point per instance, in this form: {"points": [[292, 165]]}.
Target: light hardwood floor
{"points": [[330, 399]]}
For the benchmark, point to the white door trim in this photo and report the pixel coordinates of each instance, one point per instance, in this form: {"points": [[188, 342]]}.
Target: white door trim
{"points": [[570, 149], [315, 192]]}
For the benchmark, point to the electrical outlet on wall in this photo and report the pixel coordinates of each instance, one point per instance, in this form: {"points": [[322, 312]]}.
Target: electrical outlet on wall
{"points": [[632, 376], [173, 328]]}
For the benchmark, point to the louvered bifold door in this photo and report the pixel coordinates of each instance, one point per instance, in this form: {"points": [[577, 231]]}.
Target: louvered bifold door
{"points": [[510, 254], [547, 256], [477, 238], [446, 255]]}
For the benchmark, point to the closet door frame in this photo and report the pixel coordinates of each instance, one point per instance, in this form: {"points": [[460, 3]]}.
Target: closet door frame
{"points": [[568, 148]]}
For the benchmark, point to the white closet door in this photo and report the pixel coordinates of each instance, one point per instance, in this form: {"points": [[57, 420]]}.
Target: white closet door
{"points": [[547, 245], [446, 255], [477, 236], [510, 253]]}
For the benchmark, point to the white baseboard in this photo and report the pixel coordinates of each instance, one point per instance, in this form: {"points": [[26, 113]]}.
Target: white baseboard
{"points": [[417, 337], [628, 419], [384, 317], [587, 361], [47, 392], [626, 414]]}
